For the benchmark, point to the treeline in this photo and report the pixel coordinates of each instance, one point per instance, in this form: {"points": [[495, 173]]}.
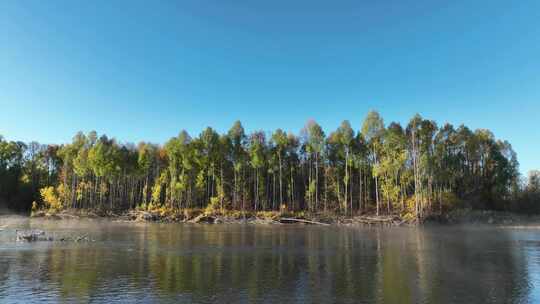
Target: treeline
{"points": [[417, 169], [24, 169]]}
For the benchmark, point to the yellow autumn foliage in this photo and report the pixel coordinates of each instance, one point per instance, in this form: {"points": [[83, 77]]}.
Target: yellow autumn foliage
{"points": [[51, 199]]}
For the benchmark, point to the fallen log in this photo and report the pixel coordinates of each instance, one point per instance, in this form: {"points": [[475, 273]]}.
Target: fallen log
{"points": [[202, 218], [377, 219], [398, 223], [372, 220], [288, 219]]}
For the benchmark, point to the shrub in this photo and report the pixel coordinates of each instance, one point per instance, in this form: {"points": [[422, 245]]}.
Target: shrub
{"points": [[34, 206], [272, 215], [450, 201], [214, 206], [51, 198]]}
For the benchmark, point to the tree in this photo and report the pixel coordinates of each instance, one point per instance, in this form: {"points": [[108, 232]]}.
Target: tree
{"points": [[392, 163], [373, 131], [237, 137], [280, 141], [209, 140], [345, 137], [257, 144], [426, 166], [314, 146], [293, 162], [533, 184]]}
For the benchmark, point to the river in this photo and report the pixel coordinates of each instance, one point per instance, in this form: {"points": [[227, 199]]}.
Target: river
{"points": [[183, 263]]}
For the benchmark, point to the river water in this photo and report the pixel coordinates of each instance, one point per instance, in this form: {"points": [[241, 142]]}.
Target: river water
{"points": [[181, 263]]}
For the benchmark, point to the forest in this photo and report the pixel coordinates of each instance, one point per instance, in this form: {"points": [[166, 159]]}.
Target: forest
{"points": [[418, 170]]}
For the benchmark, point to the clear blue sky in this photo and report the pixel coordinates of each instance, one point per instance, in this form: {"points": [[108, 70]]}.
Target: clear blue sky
{"points": [[143, 70]]}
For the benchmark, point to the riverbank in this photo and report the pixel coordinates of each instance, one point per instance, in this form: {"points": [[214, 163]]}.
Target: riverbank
{"points": [[229, 217], [455, 217], [485, 217]]}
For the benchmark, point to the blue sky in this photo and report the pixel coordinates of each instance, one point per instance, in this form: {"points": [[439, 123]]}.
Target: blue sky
{"points": [[144, 70]]}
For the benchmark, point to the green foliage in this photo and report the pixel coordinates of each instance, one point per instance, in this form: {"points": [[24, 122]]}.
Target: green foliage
{"points": [[257, 150], [315, 139], [156, 194], [213, 207], [417, 170], [103, 158], [373, 126]]}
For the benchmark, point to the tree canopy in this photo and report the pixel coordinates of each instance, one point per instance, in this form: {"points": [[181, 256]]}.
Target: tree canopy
{"points": [[418, 169]]}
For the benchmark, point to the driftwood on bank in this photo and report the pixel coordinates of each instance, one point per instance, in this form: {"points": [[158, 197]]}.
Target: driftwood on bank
{"points": [[380, 220], [297, 220], [203, 218]]}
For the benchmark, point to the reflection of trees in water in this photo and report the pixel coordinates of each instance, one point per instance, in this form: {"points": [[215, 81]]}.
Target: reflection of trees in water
{"points": [[5, 273], [246, 264], [481, 266]]}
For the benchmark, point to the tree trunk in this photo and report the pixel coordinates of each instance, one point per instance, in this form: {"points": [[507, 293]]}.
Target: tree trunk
{"points": [[346, 178], [316, 181], [360, 197], [280, 181]]}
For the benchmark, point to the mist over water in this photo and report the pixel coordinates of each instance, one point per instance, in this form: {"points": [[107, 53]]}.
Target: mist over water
{"points": [[173, 263]]}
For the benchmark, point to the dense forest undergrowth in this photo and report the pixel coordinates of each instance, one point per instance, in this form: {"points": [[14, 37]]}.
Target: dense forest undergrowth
{"points": [[415, 171]]}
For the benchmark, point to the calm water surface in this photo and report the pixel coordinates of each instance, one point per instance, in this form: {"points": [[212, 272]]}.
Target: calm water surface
{"points": [[175, 263]]}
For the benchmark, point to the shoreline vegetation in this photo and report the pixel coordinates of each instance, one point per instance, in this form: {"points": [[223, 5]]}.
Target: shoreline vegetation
{"points": [[198, 216], [389, 174]]}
